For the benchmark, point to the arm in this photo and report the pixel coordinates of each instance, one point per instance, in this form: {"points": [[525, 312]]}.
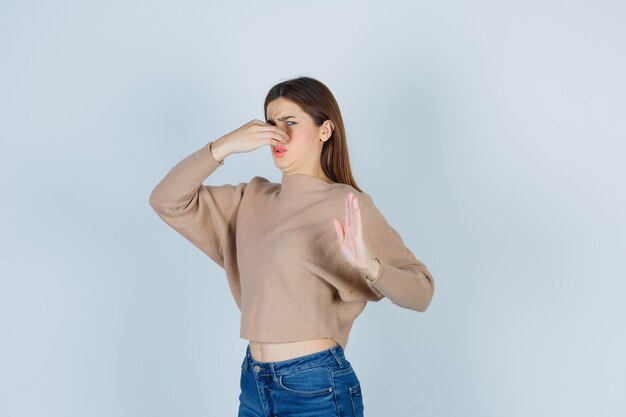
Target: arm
{"points": [[203, 214], [401, 277]]}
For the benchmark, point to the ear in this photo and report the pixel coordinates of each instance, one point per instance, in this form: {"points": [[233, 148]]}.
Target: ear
{"points": [[326, 129]]}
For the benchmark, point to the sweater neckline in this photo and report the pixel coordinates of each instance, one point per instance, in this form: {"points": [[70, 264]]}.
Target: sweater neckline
{"points": [[303, 182]]}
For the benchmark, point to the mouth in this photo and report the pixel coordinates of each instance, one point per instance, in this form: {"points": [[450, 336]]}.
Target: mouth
{"points": [[279, 151]]}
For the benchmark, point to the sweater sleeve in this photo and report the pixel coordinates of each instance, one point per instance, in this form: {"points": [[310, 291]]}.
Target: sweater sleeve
{"points": [[203, 214], [402, 278]]}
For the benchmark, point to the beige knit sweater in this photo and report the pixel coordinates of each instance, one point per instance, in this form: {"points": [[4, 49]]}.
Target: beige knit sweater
{"points": [[280, 253]]}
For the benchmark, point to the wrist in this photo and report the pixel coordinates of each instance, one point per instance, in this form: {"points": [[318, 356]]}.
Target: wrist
{"points": [[373, 271], [217, 150]]}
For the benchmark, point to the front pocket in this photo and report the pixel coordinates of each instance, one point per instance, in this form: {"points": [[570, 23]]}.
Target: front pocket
{"points": [[312, 381], [357, 400]]}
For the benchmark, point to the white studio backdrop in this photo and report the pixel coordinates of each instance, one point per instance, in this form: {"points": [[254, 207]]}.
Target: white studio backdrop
{"points": [[490, 134]]}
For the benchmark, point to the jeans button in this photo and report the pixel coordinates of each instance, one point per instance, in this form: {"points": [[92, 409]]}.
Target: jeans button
{"points": [[257, 368]]}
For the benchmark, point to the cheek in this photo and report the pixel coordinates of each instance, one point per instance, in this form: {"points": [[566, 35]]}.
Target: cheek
{"points": [[301, 136]]}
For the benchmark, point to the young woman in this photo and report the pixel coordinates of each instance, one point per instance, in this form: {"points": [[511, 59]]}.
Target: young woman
{"points": [[298, 273]]}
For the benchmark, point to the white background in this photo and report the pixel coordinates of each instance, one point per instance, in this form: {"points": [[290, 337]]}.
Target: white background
{"points": [[491, 135]]}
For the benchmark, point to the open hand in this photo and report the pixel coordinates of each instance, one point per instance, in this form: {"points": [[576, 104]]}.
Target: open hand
{"points": [[350, 236]]}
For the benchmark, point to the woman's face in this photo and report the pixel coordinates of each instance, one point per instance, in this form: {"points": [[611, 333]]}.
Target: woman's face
{"points": [[304, 146]]}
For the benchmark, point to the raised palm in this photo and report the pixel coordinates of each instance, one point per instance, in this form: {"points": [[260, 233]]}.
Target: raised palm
{"points": [[350, 235]]}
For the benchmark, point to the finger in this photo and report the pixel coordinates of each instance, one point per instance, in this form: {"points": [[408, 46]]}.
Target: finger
{"points": [[275, 129], [271, 137], [347, 212], [359, 225], [352, 225], [284, 133], [338, 229]]}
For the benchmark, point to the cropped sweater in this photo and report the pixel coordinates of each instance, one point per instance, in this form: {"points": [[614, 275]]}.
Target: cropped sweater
{"points": [[278, 247]]}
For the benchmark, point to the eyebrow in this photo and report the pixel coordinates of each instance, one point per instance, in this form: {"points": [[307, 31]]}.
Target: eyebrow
{"points": [[281, 118]]}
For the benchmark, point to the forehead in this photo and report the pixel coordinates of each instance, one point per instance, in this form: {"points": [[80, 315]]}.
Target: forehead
{"points": [[282, 106]]}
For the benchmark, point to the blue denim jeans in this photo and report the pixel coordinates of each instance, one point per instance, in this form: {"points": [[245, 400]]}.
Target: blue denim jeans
{"points": [[322, 384]]}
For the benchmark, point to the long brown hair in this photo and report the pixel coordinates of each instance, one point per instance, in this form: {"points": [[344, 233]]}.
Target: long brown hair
{"points": [[317, 101]]}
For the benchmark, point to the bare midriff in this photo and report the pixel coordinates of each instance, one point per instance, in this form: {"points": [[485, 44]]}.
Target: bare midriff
{"points": [[275, 351]]}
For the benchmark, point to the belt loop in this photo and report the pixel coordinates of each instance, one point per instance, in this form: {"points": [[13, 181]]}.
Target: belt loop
{"points": [[336, 355], [273, 371]]}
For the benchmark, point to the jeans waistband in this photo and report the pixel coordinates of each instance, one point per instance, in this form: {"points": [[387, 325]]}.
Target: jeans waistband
{"points": [[334, 353]]}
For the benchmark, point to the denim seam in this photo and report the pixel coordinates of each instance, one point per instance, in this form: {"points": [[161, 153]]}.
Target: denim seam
{"points": [[312, 393], [337, 357], [298, 368], [332, 378], [342, 372], [352, 399]]}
